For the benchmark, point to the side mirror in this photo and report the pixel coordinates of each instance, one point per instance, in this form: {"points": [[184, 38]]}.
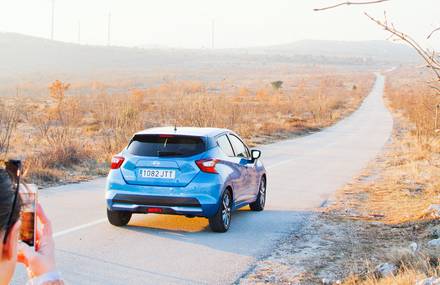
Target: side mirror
{"points": [[255, 154]]}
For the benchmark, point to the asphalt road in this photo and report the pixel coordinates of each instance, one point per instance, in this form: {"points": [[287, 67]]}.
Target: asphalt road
{"points": [[155, 249]]}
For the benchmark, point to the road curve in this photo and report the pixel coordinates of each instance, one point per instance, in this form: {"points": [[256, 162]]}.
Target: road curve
{"points": [[154, 249]]}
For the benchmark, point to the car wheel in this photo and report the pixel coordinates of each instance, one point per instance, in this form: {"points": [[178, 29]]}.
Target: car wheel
{"points": [[258, 205], [118, 218], [221, 221]]}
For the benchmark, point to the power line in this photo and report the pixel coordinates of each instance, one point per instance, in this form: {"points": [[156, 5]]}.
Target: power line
{"points": [[52, 20], [212, 33], [108, 28], [79, 32]]}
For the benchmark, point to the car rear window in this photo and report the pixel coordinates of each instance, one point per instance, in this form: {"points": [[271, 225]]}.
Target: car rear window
{"points": [[166, 145]]}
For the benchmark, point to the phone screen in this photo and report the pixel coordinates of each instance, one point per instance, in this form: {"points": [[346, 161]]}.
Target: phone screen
{"points": [[28, 195]]}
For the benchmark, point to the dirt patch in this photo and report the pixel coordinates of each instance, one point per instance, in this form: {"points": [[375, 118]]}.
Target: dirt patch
{"points": [[331, 249]]}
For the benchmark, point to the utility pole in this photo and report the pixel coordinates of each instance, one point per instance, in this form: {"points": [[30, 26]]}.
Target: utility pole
{"points": [[53, 20], [108, 28], [79, 32], [212, 33]]}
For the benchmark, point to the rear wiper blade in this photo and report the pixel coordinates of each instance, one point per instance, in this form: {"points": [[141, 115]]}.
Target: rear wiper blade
{"points": [[168, 153]]}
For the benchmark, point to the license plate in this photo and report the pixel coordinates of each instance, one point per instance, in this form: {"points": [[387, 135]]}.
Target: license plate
{"points": [[158, 173]]}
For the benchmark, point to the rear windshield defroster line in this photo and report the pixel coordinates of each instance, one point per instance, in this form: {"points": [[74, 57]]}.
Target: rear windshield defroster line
{"points": [[166, 145]]}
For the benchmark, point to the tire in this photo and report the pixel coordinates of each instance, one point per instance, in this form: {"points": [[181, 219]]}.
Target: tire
{"points": [[259, 204], [118, 218], [221, 221]]}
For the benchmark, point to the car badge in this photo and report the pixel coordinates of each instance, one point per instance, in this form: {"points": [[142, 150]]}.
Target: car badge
{"points": [[156, 163]]}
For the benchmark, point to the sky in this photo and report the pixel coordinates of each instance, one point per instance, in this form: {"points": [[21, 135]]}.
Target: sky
{"points": [[237, 23]]}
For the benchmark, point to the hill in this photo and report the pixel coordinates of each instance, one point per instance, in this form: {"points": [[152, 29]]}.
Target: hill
{"points": [[36, 62], [375, 50]]}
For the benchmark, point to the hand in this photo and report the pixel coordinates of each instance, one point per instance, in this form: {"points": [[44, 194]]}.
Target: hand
{"points": [[40, 260]]}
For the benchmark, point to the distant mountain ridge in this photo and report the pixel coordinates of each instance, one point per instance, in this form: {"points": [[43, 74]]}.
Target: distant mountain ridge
{"points": [[377, 49], [21, 54]]}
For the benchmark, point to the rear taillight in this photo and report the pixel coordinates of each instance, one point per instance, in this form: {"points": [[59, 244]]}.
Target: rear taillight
{"points": [[155, 210], [207, 165], [116, 162]]}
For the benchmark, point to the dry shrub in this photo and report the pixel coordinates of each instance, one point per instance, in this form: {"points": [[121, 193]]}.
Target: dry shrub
{"points": [[417, 101], [172, 88], [9, 116], [412, 267], [116, 119], [265, 113], [43, 176], [65, 130], [243, 92], [408, 277], [49, 163], [60, 145], [262, 95]]}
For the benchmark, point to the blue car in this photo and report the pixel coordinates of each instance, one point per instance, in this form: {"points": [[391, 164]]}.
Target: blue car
{"points": [[203, 172]]}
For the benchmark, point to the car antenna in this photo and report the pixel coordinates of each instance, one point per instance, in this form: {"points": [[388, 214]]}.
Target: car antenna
{"points": [[175, 127]]}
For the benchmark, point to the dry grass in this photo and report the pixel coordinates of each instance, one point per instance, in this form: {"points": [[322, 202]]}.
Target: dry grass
{"points": [[400, 185], [412, 267], [380, 215], [398, 188], [65, 133], [409, 277]]}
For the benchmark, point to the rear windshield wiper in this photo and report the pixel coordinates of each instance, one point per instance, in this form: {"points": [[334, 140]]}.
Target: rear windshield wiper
{"points": [[168, 153]]}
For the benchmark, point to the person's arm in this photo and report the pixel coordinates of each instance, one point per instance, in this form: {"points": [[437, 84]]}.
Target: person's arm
{"points": [[40, 262]]}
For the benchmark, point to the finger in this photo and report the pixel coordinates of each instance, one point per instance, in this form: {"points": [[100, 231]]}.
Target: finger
{"points": [[38, 234], [25, 253], [39, 239], [47, 225]]}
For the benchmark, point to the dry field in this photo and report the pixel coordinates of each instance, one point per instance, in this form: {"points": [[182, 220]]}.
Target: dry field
{"points": [[402, 189], [382, 216], [70, 134], [401, 185]]}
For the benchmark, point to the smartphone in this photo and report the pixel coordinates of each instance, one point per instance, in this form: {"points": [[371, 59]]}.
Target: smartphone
{"points": [[28, 196], [28, 199]]}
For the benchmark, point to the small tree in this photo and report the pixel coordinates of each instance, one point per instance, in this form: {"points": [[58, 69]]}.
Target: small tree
{"points": [[276, 85], [57, 93]]}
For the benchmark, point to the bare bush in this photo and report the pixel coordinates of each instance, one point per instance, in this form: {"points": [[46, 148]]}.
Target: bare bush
{"points": [[418, 103], [65, 132], [8, 122]]}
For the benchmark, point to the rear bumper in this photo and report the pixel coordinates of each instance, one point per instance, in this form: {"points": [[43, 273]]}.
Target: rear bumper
{"points": [[200, 198], [169, 205], [155, 200]]}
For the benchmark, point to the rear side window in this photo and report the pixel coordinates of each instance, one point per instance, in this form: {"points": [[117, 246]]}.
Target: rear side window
{"points": [[225, 145], [239, 148], [166, 145]]}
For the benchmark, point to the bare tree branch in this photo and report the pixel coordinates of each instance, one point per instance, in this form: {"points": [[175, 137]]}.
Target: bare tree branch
{"points": [[430, 58], [435, 30], [435, 88], [348, 3], [8, 123]]}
